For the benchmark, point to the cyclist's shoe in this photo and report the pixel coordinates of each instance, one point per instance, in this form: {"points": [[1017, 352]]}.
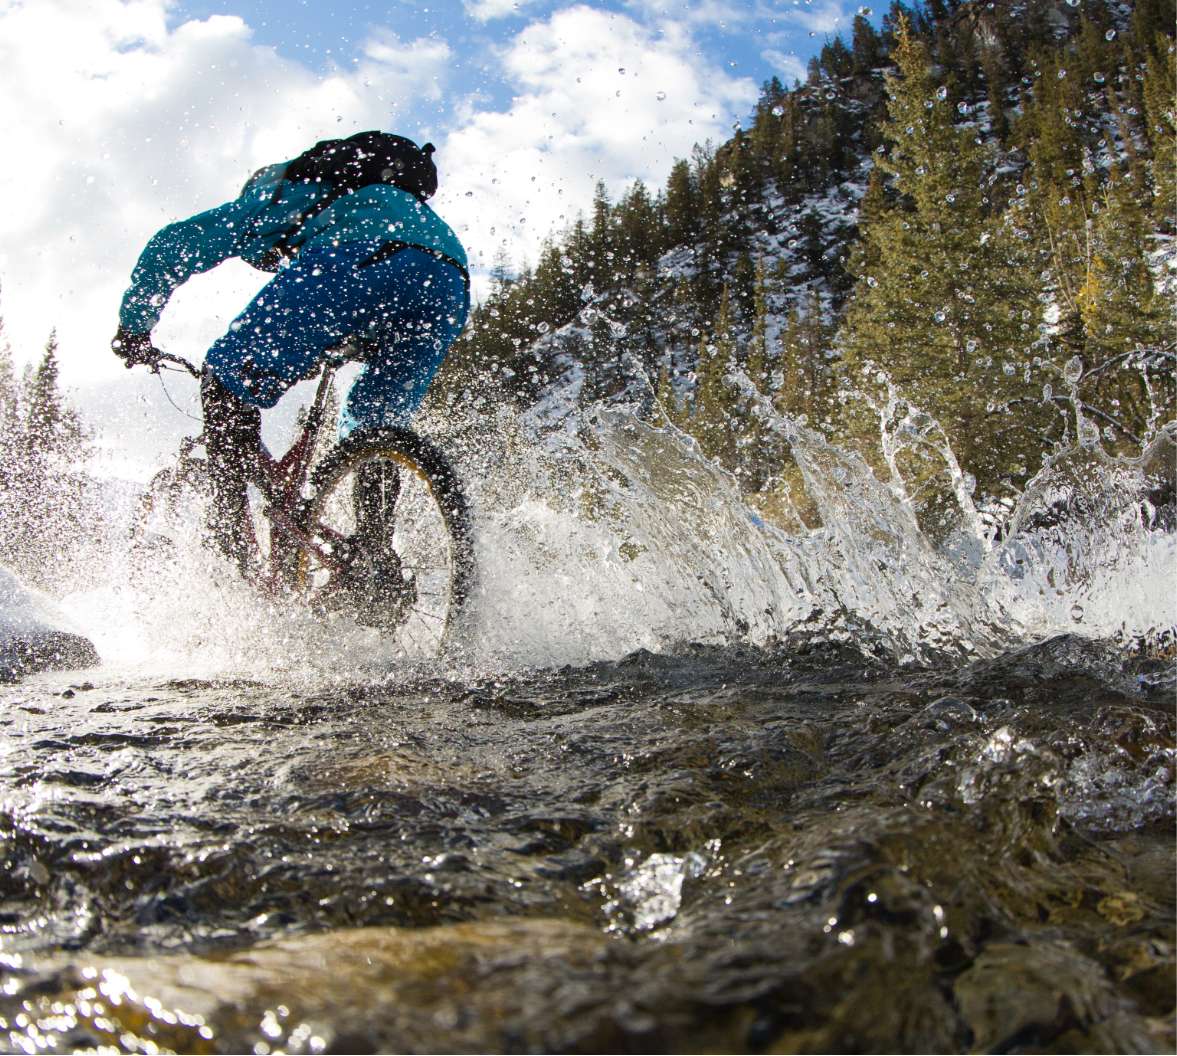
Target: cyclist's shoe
{"points": [[373, 587], [374, 493], [232, 438]]}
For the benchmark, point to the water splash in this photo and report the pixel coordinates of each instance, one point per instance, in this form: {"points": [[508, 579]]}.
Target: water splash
{"points": [[600, 533]]}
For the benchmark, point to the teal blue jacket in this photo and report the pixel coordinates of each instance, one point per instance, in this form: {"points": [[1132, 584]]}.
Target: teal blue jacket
{"points": [[253, 223]]}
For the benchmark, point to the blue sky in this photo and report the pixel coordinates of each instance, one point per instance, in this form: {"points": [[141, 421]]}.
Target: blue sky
{"points": [[755, 39], [747, 40], [130, 114]]}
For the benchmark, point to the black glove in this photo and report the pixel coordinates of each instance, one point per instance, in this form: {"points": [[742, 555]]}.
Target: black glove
{"points": [[134, 349]]}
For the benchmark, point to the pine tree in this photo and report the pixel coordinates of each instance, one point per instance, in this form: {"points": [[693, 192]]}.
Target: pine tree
{"points": [[501, 279], [996, 88], [758, 360], [601, 253], [11, 432], [667, 398], [1160, 91], [867, 47], [805, 391], [51, 427], [49, 519], [681, 208], [941, 308], [1126, 323], [637, 235], [712, 420]]}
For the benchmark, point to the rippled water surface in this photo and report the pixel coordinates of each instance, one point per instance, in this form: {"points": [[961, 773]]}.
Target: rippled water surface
{"points": [[691, 783], [789, 851]]}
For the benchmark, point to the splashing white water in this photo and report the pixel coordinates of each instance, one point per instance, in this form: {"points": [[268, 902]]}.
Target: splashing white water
{"points": [[601, 534]]}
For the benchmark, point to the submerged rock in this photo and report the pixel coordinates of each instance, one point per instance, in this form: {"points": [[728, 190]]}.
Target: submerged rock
{"points": [[512, 984], [33, 635]]}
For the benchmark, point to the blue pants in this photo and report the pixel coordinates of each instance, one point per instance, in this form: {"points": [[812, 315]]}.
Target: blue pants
{"points": [[409, 308]]}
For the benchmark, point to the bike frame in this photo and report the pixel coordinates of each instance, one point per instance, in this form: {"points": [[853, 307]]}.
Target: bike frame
{"points": [[282, 481]]}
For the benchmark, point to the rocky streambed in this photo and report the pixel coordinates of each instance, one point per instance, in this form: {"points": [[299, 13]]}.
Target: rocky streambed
{"points": [[791, 850]]}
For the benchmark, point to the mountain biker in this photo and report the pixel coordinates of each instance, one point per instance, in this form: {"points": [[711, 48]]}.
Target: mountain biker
{"points": [[358, 254]]}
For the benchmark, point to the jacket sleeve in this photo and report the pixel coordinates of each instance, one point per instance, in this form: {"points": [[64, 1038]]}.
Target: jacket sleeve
{"points": [[179, 251]]}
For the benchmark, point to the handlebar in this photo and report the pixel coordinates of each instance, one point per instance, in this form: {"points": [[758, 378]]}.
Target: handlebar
{"points": [[180, 362], [334, 359]]}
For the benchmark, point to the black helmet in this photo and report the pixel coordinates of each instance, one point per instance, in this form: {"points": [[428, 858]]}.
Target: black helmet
{"points": [[367, 158], [408, 167]]}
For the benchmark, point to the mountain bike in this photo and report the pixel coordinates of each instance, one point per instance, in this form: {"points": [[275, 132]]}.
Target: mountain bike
{"points": [[376, 530]]}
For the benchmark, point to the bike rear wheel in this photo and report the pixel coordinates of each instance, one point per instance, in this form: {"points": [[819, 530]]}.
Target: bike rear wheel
{"points": [[387, 539], [164, 515], [176, 510]]}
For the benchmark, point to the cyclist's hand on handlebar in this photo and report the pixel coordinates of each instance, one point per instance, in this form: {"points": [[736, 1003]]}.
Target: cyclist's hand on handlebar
{"points": [[135, 349]]}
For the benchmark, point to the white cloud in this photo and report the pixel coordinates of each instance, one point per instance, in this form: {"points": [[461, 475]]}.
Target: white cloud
{"points": [[123, 122], [719, 13], [790, 67], [825, 16], [486, 10], [599, 96]]}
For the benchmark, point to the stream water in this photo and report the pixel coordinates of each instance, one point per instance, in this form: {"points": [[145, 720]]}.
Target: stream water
{"points": [[687, 782]]}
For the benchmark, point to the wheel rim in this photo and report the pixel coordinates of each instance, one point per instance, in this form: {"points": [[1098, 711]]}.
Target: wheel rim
{"points": [[416, 622]]}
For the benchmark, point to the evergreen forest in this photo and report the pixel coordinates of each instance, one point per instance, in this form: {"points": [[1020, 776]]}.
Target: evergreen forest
{"points": [[957, 231], [45, 493]]}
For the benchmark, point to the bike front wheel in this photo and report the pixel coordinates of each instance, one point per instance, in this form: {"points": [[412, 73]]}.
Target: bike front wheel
{"points": [[388, 539]]}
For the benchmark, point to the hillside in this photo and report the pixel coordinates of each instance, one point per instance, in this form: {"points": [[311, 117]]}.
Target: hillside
{"points": [[967, 214]]}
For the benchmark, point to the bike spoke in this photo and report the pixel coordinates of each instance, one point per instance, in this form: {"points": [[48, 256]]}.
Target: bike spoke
{"points": [[370, 527]]}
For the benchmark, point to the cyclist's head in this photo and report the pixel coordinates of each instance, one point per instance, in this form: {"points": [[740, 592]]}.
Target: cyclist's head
{"points": [[358, 161], [407, 166]]}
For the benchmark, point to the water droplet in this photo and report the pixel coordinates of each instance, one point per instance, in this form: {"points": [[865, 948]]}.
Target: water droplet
{"points": [[1077, 612], [1061, 73], [942, 92], [1098, 77], [621, 69], [660, 96], [940, 316], [778, 111], [963, 108], [871, 281], [1110, 35]]}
